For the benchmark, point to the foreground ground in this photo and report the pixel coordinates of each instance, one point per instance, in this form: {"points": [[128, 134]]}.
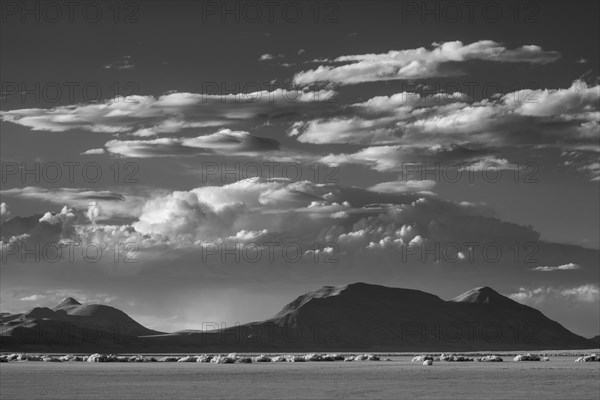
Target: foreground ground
{"points": [[560, 378]]}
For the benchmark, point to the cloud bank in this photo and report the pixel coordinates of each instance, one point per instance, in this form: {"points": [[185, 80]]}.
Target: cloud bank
{"points": [[417, 63]]}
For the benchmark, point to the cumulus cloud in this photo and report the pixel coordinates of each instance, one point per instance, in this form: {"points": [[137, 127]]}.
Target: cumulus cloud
{"points": [[225, 142], [251, 208], [579, 101], [406, 158], [267, 57], [241, 211], [94, 151], [420, 62], [41, 228], [49, 237], [93, 212], [65, 217], [4, 212], [215, 212], [559, 117], [309, 212], [62, 195], [592, 169], [588, 293], [249, 236], [169, 113], [33, 297], [426, 223], [408, 127], [564, 267], [361, 228], [124, 63], [403, 186], [113, 203], [584, 158]]}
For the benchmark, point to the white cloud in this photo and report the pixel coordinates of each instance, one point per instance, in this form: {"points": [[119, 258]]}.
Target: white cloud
{"points": [[112, 203], [65, 215], [588, 293], [249, 236], [304, 211], [172, 112], [124, 63], [579, 101], [4, 212], [40, 230], [225, 141], [33, 297], [403, 186], [564, 267], [216, 212], [402, 158], [93, 151], [420, 62], [267, 57], [93, 212], [408, 127], [555, 117]]}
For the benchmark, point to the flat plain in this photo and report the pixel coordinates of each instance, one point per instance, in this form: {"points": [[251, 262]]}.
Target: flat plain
{"points": [[559, 378]]}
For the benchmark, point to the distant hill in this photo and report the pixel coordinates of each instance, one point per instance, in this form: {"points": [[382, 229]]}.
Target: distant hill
{"points": [[70, 325], [596, 340], [356, 317]]}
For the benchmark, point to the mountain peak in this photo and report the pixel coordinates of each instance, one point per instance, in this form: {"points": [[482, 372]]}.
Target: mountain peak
{"points": [[325, 291], [358, 293], [67, 302], [480, 295]]}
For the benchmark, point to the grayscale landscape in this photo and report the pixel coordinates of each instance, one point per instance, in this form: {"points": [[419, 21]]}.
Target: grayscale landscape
{"points": [[287, 199]]}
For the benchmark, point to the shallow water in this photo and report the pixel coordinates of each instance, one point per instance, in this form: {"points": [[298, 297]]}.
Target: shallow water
{"points": [[559, 378]]}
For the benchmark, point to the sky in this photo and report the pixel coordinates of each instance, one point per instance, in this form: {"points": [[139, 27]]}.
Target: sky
{"points": [[208, 162]]}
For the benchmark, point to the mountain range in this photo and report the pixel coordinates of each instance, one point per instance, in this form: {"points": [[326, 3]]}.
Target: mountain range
{"points": [[355, 317]]}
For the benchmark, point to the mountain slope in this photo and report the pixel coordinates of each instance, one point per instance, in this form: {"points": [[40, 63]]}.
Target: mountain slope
{"points": [[361, 317], [70, 325], [355, 317]]}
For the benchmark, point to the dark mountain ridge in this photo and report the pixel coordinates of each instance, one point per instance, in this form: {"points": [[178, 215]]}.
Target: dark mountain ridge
{"points": [[355, 317], [70, 324]]}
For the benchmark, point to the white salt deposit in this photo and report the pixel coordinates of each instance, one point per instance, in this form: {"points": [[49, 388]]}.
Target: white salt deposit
{"points": [[187, 359], [589, 358], [422, 357], [222, 359], [169, 359], [527, 357], [491, 358], [313, 357], [454, 358]]}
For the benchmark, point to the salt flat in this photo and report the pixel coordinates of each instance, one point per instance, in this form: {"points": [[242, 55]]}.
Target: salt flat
{"points": [[559, 378]]}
